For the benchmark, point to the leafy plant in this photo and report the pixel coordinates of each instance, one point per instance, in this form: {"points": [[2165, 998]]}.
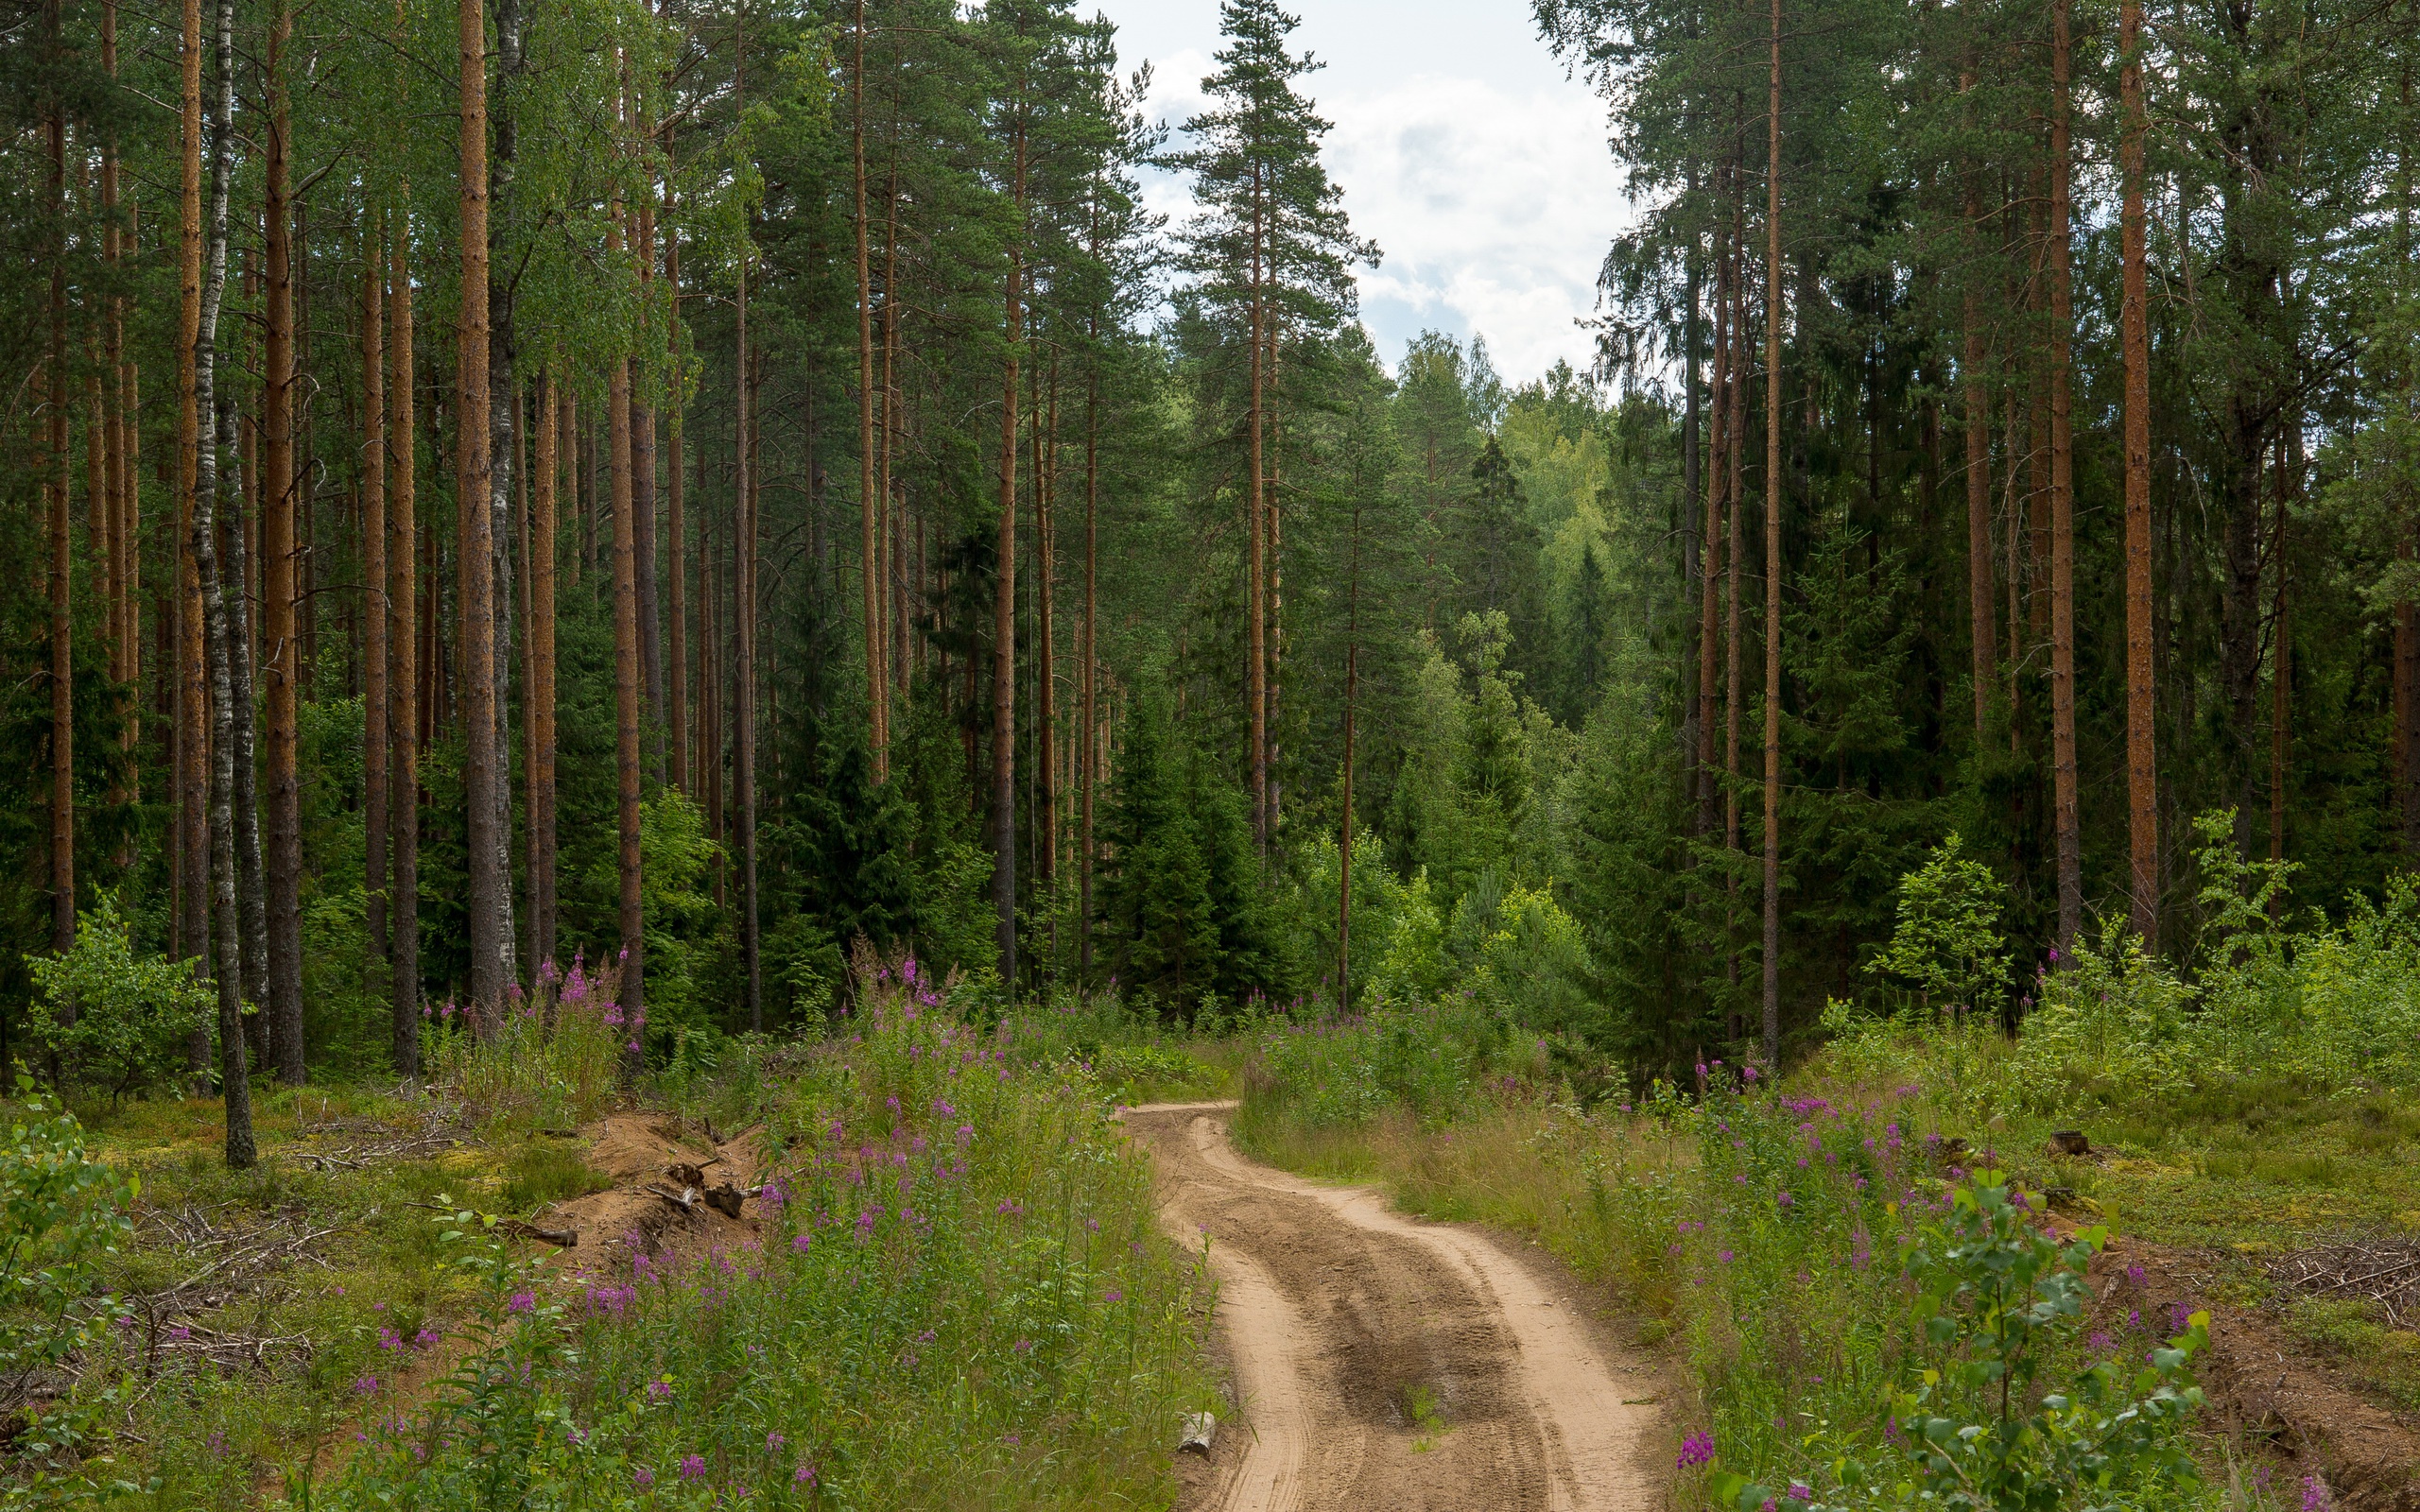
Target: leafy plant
{"points": [[115, 1018], [1947, 941], [1997, 1298], [62, 1212]]}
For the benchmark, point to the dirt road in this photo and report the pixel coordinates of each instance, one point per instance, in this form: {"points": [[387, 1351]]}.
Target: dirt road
{"points": [[1387, 1363]]}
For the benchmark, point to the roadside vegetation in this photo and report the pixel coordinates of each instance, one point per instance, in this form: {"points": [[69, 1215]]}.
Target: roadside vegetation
{"points": [[952, 1279], [2249, 1121]]}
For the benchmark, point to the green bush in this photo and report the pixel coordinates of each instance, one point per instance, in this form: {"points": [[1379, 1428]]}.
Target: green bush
{"points": [[61, 1214], [116, 1020]]}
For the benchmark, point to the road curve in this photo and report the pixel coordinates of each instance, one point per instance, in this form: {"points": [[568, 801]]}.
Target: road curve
{"points": [[1387, 1363]]}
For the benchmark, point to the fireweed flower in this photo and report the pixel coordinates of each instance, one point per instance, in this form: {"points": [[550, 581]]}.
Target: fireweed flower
{"points": [[693, 1467], [364, 1385], [643, 1477], [522, 1302], [659, 1391], [1697, 1449]]}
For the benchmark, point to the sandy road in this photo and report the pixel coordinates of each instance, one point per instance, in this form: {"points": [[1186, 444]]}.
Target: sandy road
{"points": [[1387, 1363]]}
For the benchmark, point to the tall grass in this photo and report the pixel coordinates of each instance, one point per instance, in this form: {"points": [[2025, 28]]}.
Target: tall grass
{"points": [[552, 1058], [957, 1297]]}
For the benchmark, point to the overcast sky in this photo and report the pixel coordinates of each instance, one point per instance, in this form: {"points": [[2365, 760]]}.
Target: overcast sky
{"points": [[1479, 168]]}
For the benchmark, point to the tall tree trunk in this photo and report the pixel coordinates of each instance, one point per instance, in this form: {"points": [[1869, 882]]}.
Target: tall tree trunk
{"points": [[280, 551], [627, 676], [1982, 636], [228, 716], [1710, 560], [2067, 821], [505, 447], [675, 532], [2281, 672], [1255, 503], [404, 666], [540, 693], [193, 765], [1088, 756], [747, 686], [475, 567], [1045, 651], [643, 505], [251, 899], [2142, 765], [869, 503], [62, 624], [1004, 618], [375, 742], [1735, 688], [1773, 555]]}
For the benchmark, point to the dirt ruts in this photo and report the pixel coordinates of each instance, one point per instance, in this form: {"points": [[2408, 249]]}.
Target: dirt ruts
{"points": [[1387, 1363]]}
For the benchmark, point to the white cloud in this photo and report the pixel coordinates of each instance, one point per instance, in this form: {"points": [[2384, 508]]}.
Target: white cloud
{"points": [[1493, 205]]}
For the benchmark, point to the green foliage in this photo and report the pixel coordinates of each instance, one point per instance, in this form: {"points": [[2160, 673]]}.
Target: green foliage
{"points": [[961, 1295], [1996, 1298], [62, 1214], [1947, 941], [115, 1018]]}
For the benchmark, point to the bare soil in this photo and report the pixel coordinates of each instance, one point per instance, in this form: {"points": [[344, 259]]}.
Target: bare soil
{"points": [[640, 1151], [2264, 1385], [1381, 1362]]}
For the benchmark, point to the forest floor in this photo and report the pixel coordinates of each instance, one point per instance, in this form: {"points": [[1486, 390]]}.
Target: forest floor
{"points": [[1380, 1361]]}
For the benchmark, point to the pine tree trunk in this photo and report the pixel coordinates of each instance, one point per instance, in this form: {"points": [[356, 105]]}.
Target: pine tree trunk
{"points": [[2066, 820], [746, 686], [1710, 559], [1774, 557], [1256, 647], [279, 554], [643, 504], [869, 550], [1003, 621], [1088, 755], [474, 564], [1982, 635], [627, 676], [675, 535], [1734, 559], [404, 663], [227, 715], [193, 850], [2142, 767], [540, 694], [62, 624], [2281, 676], [1045, 651], [375, 742]]}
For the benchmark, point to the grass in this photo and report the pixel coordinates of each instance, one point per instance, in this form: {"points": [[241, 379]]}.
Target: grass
{"points": [[1008, 1331], [1791, 1328]]}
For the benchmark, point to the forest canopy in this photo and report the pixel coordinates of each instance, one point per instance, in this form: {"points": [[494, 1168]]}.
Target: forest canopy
{"points": [[496, 488]]}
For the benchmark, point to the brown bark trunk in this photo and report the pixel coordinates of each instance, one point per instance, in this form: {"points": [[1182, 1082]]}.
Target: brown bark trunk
{"points": [[62, 625], [373, 572], [2281, 680], [1710, 561], [1004, 623], [630, 910], [869, 503], [1773, 555], [541, 690], [283, 861], [1045, 659], [406, 662], [1088, 755], [748, 686], [2142, 767], [1257, 674], [2066, 820], [475, 568], [1981, 633], [676, 543], [643, 506]]}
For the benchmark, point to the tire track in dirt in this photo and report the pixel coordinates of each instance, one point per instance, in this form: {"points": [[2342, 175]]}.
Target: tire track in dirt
{"points": [[1387, 1363]]}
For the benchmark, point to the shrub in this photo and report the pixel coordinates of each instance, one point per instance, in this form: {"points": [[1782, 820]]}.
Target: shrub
{"points": [[114, 1018], [61, 1213]]}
